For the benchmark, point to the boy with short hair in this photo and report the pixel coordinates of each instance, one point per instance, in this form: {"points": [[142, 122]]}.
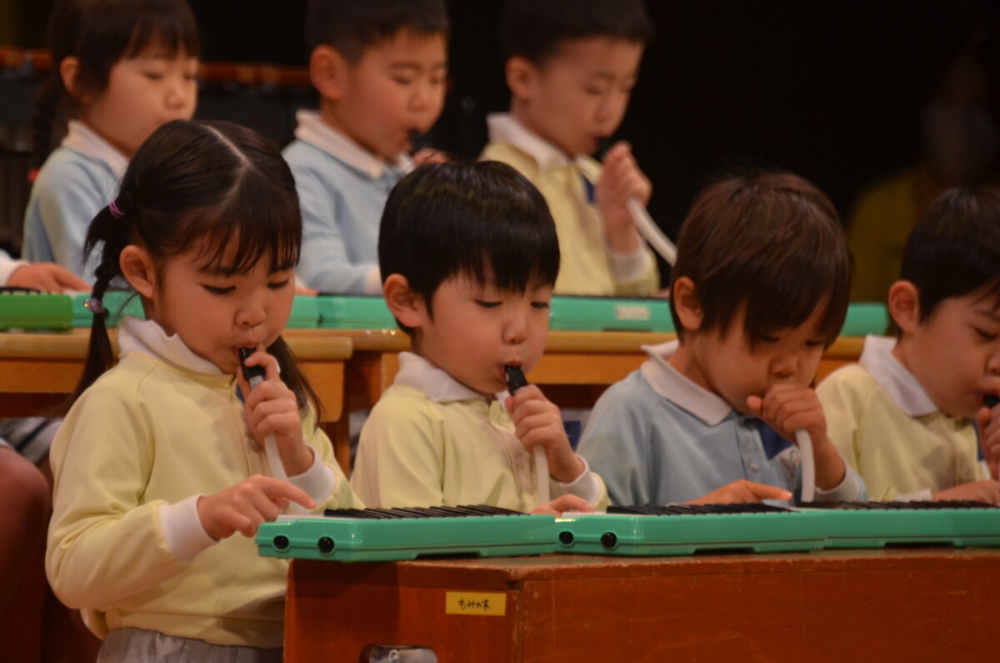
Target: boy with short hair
{"points": [[570, 67], [760, 289], [468, 254], [380, 68], [905, 416]]}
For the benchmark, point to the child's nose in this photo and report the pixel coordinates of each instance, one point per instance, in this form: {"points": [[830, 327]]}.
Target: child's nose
{"points": [[516, 329], [251, 313], [785, 367]]}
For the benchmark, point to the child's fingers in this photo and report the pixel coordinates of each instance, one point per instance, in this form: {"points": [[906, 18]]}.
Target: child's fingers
{"points": [[562, 504], [266, 361], [762, 491]]}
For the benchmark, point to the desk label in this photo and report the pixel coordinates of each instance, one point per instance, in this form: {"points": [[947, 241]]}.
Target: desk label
{"points": [[631, 312], [469, 603]]}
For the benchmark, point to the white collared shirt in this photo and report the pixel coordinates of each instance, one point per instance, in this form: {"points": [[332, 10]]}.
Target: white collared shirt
{"points": [[313, 130]]}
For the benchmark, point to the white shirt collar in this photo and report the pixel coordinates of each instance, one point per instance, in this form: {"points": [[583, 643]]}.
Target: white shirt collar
{"points": [[81, 138], [418, 373], [147, 337], [505, 129], [311, 129], [901, 385], [666, 381]]}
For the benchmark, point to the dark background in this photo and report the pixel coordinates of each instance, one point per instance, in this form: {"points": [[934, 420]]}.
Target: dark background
{"points": [[830, 90]]}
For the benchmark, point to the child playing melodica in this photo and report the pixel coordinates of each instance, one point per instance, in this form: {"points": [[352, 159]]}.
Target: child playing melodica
{"points": [[161, 459], [469, 255], [120, 69], [906, 415], [380, 68], [759, 290]]}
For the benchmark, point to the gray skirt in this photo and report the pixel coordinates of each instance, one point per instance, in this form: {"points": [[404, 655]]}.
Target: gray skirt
{"points": [[136, 644]]}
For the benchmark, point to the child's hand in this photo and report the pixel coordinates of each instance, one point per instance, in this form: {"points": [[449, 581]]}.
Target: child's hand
{"points": [[621, 180], [562, 504], [986, 491], [271, 408], [989, 437], [537, 421], [248, 504], [742, 491], [786, 407], [47, 277]]}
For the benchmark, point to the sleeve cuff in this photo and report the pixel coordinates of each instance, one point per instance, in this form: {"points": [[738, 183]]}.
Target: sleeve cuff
{"points": [[373, 282], [630, 267], [182, 529], [924, 495], [848, 490], [7, 268], [586, 485], [318, 481]]}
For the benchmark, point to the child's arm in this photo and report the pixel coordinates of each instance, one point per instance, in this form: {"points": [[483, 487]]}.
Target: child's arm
{"points": [[787, 407], [66, 200], [537, 421], [986, 491], [325, 263], [620, 180]]}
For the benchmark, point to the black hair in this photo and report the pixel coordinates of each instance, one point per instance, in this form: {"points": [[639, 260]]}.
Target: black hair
{"points": [[954, 249], [771, 242], [216, 184], [351, 26], [484, 220], [535, 29], [100, 33]]}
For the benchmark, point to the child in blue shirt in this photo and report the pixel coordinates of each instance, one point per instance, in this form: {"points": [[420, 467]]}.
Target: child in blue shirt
{"points": [[379, 67], [123, 68], [760, 289]]}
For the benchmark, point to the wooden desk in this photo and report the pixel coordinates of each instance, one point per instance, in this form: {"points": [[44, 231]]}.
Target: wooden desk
{"points": [[38, 371], [575, 369], [862, 605]]}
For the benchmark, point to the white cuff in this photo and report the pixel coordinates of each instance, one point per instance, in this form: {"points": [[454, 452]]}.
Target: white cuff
{"points": [[182, 529], [847, 490], [630, 267], [7, 268], [373, 282], [586, 485], [924, 495], [318, 481]]}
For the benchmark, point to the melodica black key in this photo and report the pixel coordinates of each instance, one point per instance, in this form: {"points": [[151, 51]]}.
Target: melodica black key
{"points": [[378, 535]]}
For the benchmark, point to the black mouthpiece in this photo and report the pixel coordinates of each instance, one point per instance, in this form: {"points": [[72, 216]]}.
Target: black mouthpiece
{"points": [[250, 372], [991, 400], [515, 378]]}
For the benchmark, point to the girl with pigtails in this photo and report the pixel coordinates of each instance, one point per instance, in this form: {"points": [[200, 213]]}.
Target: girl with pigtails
{"points": [[161, 477]]}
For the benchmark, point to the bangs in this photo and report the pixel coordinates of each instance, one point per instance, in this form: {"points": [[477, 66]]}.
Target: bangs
{"points": [[249, 227], [163, 30], [512, 262]]}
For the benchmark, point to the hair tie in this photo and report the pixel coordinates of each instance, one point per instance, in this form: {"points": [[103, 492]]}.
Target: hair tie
{"points": [[115, 211], [95, 306]]}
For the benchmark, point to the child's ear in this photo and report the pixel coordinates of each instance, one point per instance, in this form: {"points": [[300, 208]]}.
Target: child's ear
{"points": [[685, 297], [904, 305], [138, 268], [405, 305], [328, 71], [521, 77], [69, 71]]}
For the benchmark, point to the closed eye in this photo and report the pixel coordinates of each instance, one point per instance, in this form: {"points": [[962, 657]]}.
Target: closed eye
{"points": [[815, 344], [486, 304], [279, 285], [986, 336], [219, 291], [540, 305]]}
